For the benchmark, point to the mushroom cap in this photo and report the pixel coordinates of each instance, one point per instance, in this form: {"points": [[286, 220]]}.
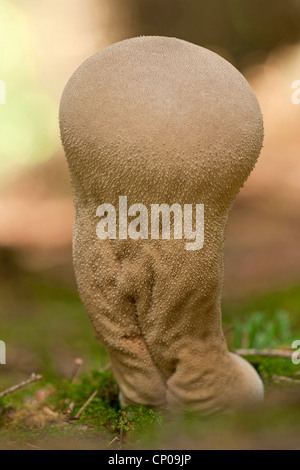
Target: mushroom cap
{"points": [[160, 120]]}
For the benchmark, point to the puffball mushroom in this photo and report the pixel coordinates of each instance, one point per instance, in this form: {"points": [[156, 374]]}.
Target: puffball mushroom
{"points": [[160, 121]]}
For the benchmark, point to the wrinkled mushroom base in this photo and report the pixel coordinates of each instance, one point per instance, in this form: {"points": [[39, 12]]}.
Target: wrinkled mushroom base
{"points": [[240, 387], [160, 320]]}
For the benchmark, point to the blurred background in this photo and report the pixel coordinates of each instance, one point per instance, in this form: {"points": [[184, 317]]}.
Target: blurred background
{"points": [[41, 44]]}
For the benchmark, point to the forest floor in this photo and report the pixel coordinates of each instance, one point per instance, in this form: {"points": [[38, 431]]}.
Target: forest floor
{"points": [[46, 330]]}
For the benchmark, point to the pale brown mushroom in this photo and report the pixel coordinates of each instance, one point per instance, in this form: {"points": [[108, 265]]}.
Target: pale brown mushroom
{"points": [[161, 121]]}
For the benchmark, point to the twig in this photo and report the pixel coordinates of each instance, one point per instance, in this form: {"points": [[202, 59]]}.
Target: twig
{"points": [[13, 444], [265, 352], [77, 365], [106, 368], [282, 378], [121, 434], [86, 404], [34, 446], [33, 378], [114, 440]]}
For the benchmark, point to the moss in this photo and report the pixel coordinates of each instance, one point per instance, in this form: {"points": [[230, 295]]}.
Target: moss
{"points": [[28, 421], [22, 414], [267, 320]]}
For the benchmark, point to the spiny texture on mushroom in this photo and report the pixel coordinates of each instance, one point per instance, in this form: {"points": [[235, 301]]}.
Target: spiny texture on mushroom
{"points": [[161, 121]]}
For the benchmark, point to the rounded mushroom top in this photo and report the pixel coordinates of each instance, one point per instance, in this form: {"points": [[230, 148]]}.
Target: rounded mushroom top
{"points": [[149, 113]]}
